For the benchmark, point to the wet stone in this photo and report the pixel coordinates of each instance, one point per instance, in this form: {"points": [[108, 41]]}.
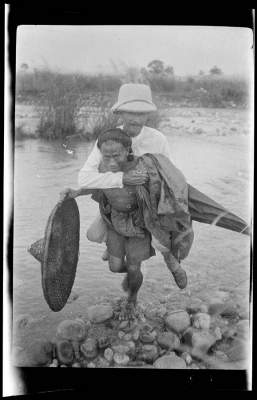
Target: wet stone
{"points": [[65, 352], [122, 349], [75, 330], [91, 365], [102, 363], [76, 365], [121, 334], [221, 355], [148, 353], [146, 337], [89, 348], [217, 333], [40, 352], [100, 313], [171, 361], [103, 342], [121, 359], [178, 321], [187, 358], [168, 340], [230, 312], [216, 308], [201, 321], [108, 354], [243, 328], [200, 340], [238, 351]]}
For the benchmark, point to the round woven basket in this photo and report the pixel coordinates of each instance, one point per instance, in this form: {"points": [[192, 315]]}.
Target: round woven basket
{"points": [[58, 253]]}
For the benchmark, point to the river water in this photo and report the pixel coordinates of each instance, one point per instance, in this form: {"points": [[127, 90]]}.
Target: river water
{"points": [[218, 261]]}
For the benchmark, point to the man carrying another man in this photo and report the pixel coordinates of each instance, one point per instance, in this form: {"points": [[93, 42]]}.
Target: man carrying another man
{"points": [[134, 106]]}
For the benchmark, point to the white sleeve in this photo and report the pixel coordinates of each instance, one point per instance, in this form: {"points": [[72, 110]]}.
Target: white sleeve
{"points": [[165, 149], [90, 178]]}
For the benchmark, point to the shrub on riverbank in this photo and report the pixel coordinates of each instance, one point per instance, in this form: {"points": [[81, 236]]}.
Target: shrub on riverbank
{"points": [[203, 91]]}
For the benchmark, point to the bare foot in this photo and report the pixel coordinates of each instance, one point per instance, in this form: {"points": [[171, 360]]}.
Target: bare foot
{"points": [[128, 312]]}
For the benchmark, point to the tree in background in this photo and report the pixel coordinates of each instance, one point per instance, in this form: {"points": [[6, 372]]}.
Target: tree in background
{"points": [[156, 67], [169, 70], [215, 71]]}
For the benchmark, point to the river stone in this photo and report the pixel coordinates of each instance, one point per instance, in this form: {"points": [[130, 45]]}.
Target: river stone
{"points": [[89, 348], [200, 340], [103, 342], [170, 361], [201, 321], [216, 308], [74, 330], [148, 353], [187, 358], [76, 365], [65, 352], [102, 363], [91, 365], [230, 312], [123, 324], [243, 329], [121, 334], [108, 354], [217, 333], [100, 313], [168, 340], [121, 359], [136, 334], [122, 349], [238, 351], [146, 337], [221, 355], [40, 352], [23, 322], [178, 321], [21, 358]]}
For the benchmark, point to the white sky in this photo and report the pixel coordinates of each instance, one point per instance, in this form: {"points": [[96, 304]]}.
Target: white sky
{"points": [[96, 48]]}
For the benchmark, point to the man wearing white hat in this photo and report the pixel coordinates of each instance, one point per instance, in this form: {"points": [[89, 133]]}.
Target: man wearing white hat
{"points": [[134, 106]]}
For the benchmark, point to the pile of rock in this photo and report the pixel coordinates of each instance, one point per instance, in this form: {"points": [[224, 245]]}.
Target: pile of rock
{"points": [[193, 338]]}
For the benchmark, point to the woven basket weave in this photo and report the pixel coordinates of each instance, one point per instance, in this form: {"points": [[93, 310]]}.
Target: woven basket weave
{"points": [[58, 253]]}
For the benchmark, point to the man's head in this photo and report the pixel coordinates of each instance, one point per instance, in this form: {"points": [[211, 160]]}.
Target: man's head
{"points": [[115, 147], [134, 106]]}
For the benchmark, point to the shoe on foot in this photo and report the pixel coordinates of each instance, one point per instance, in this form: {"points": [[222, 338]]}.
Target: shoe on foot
{"points": [[105, 256], [180, 277]]}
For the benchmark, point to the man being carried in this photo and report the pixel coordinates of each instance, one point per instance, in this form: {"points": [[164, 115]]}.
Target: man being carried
{"points": [[134, 107]]}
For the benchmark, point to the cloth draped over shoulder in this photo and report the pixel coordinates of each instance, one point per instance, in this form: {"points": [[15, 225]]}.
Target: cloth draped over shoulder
{"points": [[164, 204], [161, 207]]}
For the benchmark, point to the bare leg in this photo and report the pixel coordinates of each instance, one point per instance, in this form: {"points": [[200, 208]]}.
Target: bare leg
{"points": [[178, 273], [117, 264], [135, 280]]}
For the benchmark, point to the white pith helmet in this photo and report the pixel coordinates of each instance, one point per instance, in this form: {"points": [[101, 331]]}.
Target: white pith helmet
{"points": [[134, 97]]}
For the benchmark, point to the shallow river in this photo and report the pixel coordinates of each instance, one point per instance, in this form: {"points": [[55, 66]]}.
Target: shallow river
{"points": [[219, 259]]}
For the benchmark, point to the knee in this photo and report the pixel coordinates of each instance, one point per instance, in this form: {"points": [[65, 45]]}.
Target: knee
{"points": [[134, 268], [115, 264]]}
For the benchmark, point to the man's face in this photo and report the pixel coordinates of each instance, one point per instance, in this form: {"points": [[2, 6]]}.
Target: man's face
{"points": [[133, 122], [114, 156]]}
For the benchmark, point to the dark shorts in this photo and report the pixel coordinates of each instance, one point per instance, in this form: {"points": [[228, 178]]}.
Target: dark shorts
{"points": [[135, 249]]}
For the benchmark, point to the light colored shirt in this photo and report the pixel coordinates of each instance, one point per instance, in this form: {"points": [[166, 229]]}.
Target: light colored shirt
{"points": [[149, 140]]}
